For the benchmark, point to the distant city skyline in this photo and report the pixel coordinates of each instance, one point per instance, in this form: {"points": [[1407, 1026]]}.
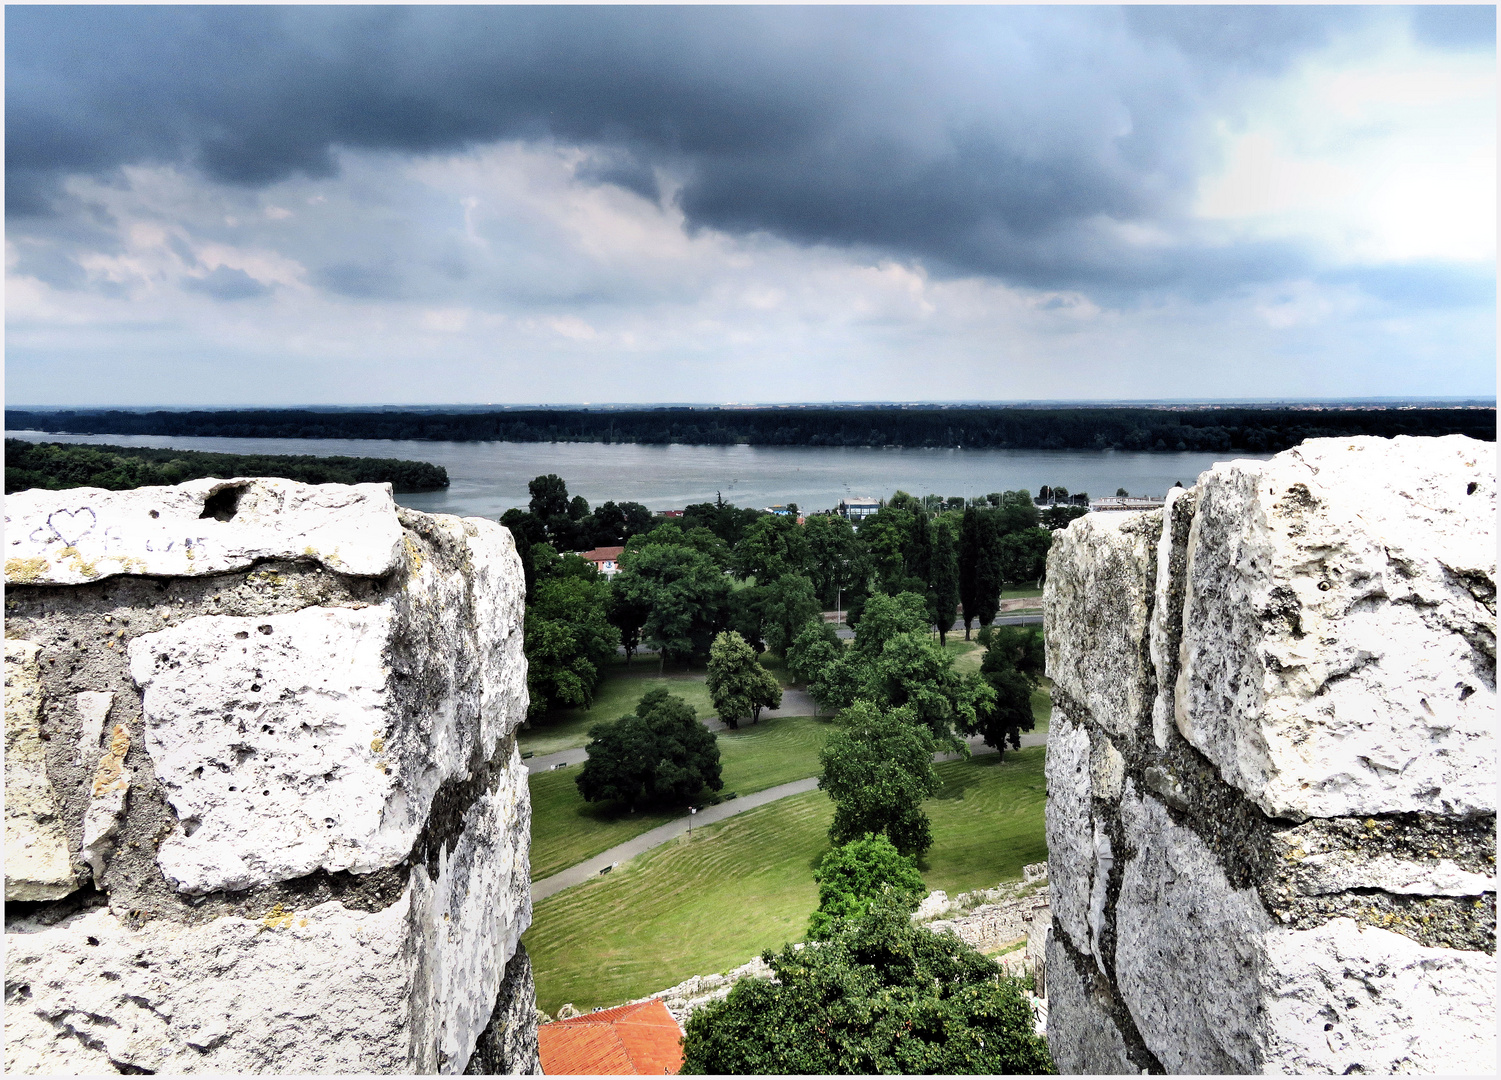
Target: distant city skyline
{"points": [[283, 206]]}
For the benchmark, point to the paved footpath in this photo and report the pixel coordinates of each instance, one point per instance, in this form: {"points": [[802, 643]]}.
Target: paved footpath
{"points": [[590, 868]]}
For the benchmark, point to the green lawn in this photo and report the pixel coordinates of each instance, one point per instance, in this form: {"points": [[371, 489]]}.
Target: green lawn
{"points": [[1012, 593], [567, 830], [706, 904], [618, 692], [965, 654]]}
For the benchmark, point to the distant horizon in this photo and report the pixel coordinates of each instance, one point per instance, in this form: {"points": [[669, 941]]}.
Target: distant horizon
{"points": [[1475, 400]]}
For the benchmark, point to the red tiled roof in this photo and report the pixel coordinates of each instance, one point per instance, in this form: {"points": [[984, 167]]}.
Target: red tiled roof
{"points": [[629, 1040], [602, 554]]}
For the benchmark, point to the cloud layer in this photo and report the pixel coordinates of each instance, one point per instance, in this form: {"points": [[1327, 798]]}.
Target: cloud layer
{"points": [[616, 175]]}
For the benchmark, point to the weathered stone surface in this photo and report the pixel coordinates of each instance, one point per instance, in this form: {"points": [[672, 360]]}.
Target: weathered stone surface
{"points": [[1070, 830], [508, 1045], [1165, 638], [93, 710], [1082, 1036], [1344, 999], [1186, 947], [200, 527], [1338, 649], [37, 866], [1317, 867], [285, 742], [309, 966], [106, 812], [1097, 603]]}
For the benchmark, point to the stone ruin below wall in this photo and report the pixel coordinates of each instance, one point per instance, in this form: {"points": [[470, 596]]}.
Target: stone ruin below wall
{"points": [[1271, 771], [265, 811]]}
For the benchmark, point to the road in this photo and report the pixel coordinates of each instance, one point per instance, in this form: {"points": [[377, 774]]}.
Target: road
{"points": [[590, 868]]}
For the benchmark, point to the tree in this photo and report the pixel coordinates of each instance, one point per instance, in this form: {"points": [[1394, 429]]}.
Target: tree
{"points": [[878, 770], [915, 671], [567, 637], [1016, 511], [1024, 555], [684, 594], [788, 605], [880, 996], [943, 580], [773, 545], [969, 564], [628, 614], [834, 558], [738, 685], [815, 647], [853, 877], [662, 754], [1012, 666], [886, 616], [1122, 493]]}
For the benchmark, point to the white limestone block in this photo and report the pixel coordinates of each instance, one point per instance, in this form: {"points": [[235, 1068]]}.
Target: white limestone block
{"points": [[1097, 602], [317, 739], [1187, 947], [1322, 869], [106, 811], [1082, 1036], [83, 534], [1338, 642], [329, 989], [37, 866], [1070, 833], [93, 710], [1344, 998]]}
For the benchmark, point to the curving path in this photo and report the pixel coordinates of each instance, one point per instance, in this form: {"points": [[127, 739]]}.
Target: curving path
{"points": [[589, 868]]}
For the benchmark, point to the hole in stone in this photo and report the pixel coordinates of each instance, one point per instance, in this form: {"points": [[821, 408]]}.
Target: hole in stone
{"points": [[92, 940], [255, 688], [1328, 1027], [266, 729], [1472, 488], [264, 628], [155, 514], [1465, 692], [241, 634], [222, 504], [190, 825], [198, 771]]}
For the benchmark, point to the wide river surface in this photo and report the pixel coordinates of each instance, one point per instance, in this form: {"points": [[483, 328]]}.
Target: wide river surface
{"points": [[487, 478]]}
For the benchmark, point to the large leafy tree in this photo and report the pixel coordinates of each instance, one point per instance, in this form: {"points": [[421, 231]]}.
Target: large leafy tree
{"points": [[878, 769], [683, 592], [1024, 555], [661, 755], [880, 996], [567, 632], [887, 616], [854, 877], [835, 561], [914, 671], [773, 545], [943, 579], [1012, 667], [971, 532], [738, 685], [789, 605], [815, 647]]}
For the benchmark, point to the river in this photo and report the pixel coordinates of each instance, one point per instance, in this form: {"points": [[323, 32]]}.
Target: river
{"points": [[487, 478]]}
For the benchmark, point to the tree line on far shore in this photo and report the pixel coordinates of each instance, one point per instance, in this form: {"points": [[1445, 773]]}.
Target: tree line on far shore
{"points": [[57, 466], [1207, 428]]}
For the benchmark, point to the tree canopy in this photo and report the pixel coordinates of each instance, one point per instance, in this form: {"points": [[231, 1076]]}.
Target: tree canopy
{"points": [[880, 996], [878, 769], [683, 592], [738, 685], [567, 634], [854, 877], [661, 754]]}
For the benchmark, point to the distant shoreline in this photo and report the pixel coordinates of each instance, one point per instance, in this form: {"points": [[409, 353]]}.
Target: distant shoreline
{"points": [[1215, 429]]}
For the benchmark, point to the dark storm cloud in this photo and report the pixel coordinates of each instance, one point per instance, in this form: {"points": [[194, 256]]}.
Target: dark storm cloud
{"points": [[1000, 141]]}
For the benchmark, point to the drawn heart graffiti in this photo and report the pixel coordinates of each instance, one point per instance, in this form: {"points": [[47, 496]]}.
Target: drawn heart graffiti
{"points": [[69, 526]]}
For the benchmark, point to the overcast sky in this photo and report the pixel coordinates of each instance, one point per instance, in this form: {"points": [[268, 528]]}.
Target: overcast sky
{"points": [[486, 204]]}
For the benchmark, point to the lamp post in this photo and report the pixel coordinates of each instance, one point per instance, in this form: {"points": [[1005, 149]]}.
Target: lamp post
{"points": [[691, 811]]}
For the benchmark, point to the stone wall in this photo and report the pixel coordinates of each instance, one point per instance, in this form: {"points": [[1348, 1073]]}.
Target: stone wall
{"points": [[265, 811], [1271, 769]]}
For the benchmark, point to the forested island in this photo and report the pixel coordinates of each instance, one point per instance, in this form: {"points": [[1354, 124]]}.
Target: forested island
{"points": [[1254, 429], [55, 466]]}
